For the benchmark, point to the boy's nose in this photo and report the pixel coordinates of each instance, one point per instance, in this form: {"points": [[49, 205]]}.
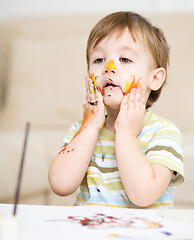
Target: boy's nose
{"points": [[110, 66]]}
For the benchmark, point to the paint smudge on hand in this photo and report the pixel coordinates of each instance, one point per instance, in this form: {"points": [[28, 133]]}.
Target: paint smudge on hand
{"points": [[66, 149], [86, 118], [131, 83], [93, 81]]}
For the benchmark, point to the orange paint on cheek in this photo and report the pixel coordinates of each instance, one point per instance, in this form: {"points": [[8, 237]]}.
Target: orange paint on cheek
{"points": [[131, 83]]}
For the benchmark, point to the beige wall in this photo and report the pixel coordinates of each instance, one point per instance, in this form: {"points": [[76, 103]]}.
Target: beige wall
{"points": [[19, 8]]}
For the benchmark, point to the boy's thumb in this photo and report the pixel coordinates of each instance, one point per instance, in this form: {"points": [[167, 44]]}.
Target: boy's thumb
{"points": [[84, 107]]}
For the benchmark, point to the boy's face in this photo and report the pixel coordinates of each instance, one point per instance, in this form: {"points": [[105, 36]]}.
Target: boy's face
{"points": [[129, 58]]}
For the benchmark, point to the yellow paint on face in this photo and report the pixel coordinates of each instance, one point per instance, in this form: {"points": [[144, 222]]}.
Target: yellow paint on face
{"points": [[110, 65], [129, 83], [127, 86]]}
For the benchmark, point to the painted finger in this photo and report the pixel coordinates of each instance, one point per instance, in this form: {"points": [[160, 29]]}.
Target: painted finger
{"points": [[93, 82], [124, 103], [98, 98], [87, 89], [91, 98]]}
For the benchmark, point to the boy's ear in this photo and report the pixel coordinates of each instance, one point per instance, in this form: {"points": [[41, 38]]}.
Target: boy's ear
{"points": [[158, 77]]}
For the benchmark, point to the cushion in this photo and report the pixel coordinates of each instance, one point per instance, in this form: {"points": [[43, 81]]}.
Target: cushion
{"points": [[35, 169], [46, 81]]}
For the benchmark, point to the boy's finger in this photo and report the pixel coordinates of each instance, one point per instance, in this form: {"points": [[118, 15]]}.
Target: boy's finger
{"points": [[84, 107], [124, 103], [132, 97], [138, 97], [98, 98], [143, 100], [90, 95]]}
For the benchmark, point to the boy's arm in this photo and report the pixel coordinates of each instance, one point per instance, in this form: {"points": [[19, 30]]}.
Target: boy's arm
{"points": [[69, 167], [144, 183]]}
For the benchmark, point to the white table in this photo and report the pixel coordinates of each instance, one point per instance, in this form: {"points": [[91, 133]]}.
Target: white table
{"points": [[51, 222]]}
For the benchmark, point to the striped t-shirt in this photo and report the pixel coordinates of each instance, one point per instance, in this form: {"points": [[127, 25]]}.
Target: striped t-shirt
{"points": [[160, 141]]}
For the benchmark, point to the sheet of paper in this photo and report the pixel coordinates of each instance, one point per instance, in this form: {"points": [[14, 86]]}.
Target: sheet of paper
{"points": [[48, 222]]}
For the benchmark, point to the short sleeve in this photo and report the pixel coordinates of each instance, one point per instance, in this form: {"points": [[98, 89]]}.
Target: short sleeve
{"points": [[166, 148], [71, 132]]}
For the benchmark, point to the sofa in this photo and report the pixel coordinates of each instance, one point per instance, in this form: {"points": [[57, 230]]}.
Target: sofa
{"points": [[42, 69]]}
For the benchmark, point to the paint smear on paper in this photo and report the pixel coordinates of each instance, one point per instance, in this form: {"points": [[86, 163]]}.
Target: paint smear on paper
{"points": [[107, 221]]}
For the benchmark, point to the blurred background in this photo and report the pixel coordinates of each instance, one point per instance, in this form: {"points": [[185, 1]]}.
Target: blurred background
{"points": [[13, 8], [42, 69]]}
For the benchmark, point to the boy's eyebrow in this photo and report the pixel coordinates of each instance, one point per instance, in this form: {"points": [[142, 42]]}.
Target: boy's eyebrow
{"points": [[125, 47], [128, 48], [96, 48]]}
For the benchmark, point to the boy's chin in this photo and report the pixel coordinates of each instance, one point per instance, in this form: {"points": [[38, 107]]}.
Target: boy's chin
{"points": [[112, 96], [113, 102]]}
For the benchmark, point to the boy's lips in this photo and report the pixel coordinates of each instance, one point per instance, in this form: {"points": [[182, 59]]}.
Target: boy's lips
{"points": [[108, 83], [109, 86]]}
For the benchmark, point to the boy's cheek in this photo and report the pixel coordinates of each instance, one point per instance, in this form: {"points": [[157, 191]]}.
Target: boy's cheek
{"points": [[93, 68], [144, 84]]}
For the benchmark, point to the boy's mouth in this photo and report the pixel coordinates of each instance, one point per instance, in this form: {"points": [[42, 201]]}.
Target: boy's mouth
{"points": [[109, 86], [109, 83]]}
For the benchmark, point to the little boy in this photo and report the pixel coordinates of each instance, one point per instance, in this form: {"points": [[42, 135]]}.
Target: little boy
{"points": [[122, 154]]}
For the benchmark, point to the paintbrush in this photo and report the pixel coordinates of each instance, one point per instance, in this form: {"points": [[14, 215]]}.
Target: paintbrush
{"points": [[17, 193]]}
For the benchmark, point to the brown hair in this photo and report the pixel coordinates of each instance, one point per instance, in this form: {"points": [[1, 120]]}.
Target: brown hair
{"points": [[138, 26]]}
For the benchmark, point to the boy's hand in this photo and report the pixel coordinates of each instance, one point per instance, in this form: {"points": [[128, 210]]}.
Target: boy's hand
{"points": [[94, 108], [131, 116]]}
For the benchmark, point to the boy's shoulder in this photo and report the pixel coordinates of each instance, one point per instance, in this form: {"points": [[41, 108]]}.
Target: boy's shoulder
{"points": [[76, 125], [74, 128], [157, 122]]}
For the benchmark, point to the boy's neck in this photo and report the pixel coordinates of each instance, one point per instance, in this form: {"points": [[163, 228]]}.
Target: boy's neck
{"points": [[110, 119]]}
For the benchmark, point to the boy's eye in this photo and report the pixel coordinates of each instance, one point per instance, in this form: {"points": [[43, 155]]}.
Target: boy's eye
{"points": [[99, 60], [125, 60]]}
